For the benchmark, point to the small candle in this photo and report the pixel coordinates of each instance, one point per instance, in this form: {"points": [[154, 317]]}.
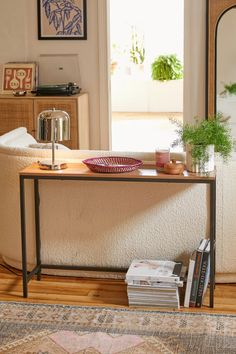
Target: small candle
{"points": [[162, 157]]}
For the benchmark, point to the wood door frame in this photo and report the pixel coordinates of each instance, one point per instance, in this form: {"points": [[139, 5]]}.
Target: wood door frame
{"points": [[104, 75]]}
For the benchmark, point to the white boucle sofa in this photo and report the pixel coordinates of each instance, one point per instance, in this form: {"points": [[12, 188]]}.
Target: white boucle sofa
{"points": [[105, 223]]}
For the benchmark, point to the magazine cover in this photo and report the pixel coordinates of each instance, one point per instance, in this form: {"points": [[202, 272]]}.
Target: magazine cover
{"points": [[154, 270]]}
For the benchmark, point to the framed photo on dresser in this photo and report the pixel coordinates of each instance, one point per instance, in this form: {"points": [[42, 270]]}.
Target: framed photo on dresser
{"points": [[19, 76]]}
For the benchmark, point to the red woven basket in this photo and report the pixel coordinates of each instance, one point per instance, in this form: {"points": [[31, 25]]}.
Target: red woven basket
{"points": [[112, 164]]}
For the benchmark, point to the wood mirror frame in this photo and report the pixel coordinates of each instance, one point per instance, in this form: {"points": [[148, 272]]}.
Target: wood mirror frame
{"points": [[215, 10]]}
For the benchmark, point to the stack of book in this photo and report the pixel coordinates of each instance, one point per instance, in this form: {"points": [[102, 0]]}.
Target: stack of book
{"points": [[154, 283], [198, 275]]}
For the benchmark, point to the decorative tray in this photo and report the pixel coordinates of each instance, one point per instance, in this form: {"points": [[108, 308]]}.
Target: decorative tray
{"points": [[112, 164]]}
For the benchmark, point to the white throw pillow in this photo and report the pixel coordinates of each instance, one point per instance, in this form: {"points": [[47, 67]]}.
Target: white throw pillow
{"points": [[17, 138], [48, 146]]}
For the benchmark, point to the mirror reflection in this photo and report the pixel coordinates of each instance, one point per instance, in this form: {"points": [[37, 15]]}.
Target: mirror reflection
{"points": [[226, 68]]}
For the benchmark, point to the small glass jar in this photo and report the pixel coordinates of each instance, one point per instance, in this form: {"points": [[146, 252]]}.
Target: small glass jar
{"points": [[162, 156]]}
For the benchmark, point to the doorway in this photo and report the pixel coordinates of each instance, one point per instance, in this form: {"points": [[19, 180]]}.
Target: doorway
{"points": [[143, 105]]}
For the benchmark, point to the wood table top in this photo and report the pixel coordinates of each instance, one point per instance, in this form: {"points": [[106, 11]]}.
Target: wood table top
{"points": [[145, 172]]}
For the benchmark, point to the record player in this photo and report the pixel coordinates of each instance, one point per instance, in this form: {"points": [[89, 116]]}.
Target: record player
{"points": [[57, 90]]}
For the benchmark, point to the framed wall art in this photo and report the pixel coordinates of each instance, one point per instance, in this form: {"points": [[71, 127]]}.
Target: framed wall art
{"points": [[19, 76], [62, 19]]}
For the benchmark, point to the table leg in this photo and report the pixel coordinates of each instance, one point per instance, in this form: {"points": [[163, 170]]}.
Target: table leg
{"points": [[23, 237], [37, 226], [212, 239]]}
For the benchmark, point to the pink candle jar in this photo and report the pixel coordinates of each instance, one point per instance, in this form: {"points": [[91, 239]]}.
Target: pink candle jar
{"points": [[162, 157]]}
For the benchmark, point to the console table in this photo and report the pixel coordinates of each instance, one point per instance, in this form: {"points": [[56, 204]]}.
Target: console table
{"points": [[79, 172]]}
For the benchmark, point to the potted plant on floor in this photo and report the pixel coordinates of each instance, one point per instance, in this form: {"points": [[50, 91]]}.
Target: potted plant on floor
{"points": [[202, 140]]}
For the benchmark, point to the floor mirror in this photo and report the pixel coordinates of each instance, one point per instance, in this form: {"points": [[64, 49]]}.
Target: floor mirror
{"points": [[221, 98], [221, 59]]}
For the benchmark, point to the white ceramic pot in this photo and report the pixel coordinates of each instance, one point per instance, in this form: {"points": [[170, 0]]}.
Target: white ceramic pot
{"points": [[196, 167]]}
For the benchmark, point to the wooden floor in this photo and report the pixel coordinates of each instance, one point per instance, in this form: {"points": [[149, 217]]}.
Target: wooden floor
{"points": [[93, 292]]}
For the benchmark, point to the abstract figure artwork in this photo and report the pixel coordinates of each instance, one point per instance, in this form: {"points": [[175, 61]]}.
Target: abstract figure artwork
{"points": [[62, 19]]}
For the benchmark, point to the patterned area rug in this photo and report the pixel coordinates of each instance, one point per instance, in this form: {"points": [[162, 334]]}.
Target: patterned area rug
{"points": [[58, 329]]}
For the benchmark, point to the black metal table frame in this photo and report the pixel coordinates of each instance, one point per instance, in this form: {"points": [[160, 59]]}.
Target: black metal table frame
{"points": [[27, 276]]}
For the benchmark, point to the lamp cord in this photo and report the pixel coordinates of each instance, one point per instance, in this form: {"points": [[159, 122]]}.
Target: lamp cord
{"points": [[9, 269]]}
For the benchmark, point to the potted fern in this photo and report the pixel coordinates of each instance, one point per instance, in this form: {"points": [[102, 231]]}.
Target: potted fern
{"points": [[167, 67], [202, 140]]}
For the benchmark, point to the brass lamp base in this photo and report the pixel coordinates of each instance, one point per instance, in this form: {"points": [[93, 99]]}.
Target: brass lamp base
{"points": [[47, 165]]}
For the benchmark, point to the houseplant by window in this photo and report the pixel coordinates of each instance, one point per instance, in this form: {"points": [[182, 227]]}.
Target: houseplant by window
{"points": [[137, 50], [167, 67], [202, 139]]}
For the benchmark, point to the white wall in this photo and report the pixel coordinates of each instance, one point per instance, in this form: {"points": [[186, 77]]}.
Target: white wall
{"points": [[18, 42], [158, 35], [135, 95]]}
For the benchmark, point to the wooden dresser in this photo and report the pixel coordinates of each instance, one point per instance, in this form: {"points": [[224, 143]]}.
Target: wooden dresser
{"points": [[23, 111]]}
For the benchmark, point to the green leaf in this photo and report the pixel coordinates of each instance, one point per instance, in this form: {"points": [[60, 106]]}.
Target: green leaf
{"points": [[167, 67], [212, 131]]}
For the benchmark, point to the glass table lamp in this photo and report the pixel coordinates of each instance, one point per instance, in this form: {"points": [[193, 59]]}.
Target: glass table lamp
{"points": [[53, 126]]}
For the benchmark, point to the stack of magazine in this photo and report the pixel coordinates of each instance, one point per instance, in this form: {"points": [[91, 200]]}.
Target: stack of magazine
{"points": [[154, 283]]}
